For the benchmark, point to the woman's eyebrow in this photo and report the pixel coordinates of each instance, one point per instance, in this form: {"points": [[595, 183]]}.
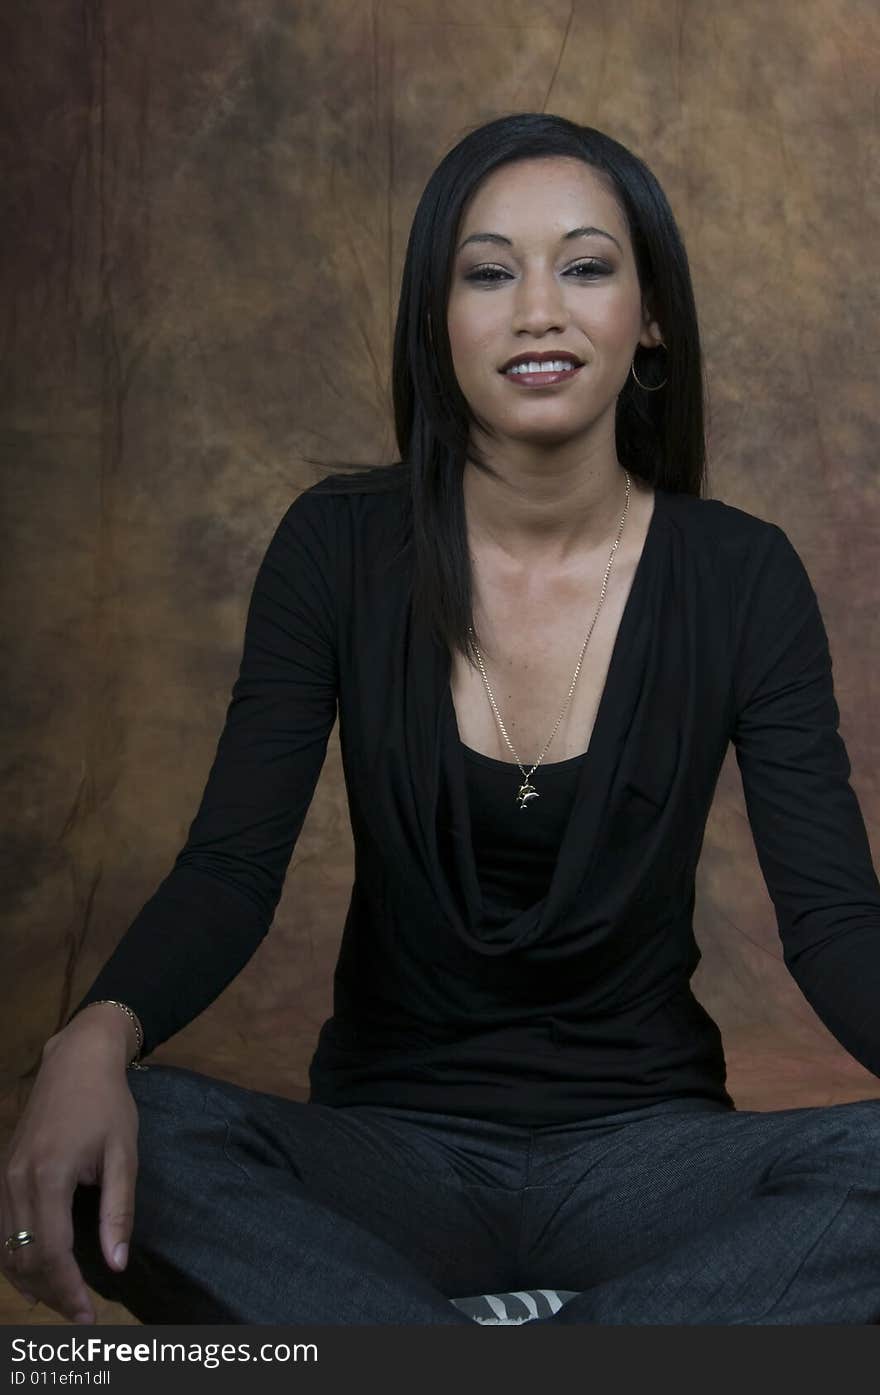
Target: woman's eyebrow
{"points": [[575, 232]]}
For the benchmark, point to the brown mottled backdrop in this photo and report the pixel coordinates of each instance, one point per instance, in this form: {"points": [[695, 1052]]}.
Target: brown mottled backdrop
{"points": [[205, 210]]}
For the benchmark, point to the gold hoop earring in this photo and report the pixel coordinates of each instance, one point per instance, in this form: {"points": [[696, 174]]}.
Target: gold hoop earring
{"points": [[645, 385]]}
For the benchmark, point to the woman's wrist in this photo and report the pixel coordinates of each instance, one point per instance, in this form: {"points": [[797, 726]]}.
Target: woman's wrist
{"points": [[103, 1021]]}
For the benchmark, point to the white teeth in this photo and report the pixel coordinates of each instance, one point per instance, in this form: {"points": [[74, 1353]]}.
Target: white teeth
{"points": [[557, 365]]}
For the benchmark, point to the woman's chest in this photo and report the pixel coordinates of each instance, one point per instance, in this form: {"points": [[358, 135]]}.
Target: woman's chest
{"points": [[534, 638]]}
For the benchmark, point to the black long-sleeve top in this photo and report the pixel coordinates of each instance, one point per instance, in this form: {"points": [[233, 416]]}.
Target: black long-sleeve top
{"points": [[525, 966]]}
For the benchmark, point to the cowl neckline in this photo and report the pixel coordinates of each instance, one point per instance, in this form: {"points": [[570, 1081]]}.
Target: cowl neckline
{"points": [[433, 746]]}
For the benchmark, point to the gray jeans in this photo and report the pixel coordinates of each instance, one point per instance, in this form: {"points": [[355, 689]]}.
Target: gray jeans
{"points": [[253, 1208]]}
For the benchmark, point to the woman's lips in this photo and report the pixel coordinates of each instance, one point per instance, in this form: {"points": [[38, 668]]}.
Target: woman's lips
{"points": [[538, 380]]}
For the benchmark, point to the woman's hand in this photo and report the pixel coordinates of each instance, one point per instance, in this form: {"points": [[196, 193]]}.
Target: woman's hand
{"points": [[79, 1125]]}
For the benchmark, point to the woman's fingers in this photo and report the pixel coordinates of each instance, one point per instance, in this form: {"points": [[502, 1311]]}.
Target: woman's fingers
{"points": [[52, 1270], [117, 1203], [15, 1215], [38, 1199]]}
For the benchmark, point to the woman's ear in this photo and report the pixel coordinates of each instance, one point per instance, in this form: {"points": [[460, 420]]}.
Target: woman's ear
{"points": [[651, 334]]}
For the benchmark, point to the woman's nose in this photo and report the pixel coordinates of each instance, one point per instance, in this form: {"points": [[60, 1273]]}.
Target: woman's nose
{"points": [[539, 303]]}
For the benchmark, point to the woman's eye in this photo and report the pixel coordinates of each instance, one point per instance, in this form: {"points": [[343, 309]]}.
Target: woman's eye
{"points": [[484, 273], [592, 268]]}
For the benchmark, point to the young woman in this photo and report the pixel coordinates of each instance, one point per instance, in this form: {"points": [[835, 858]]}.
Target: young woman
{"points": [[540, 639]]}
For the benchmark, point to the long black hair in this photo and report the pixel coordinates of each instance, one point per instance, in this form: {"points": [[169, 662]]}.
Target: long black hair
{"points": [[660, 435]]}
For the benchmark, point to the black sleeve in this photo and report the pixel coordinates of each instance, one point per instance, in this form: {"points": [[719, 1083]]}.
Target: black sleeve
{"points": [[807, 825], [210, 913]]}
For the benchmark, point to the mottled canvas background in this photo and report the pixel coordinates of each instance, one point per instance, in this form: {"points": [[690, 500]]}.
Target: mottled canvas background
{"points": [[205, 214]]}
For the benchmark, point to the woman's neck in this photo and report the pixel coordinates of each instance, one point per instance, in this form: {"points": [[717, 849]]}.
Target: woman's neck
{"points": [[546, 521]]}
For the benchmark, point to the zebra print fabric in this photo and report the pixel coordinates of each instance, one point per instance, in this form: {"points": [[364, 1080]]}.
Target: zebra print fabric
{"points": [[509, 1309]]}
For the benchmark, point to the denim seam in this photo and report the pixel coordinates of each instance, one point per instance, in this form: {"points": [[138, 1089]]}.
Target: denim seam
{"points": [[519, 1257]]}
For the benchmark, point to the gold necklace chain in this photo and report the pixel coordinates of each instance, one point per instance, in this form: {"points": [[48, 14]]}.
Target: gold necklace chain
{"points": [[527, 791]]}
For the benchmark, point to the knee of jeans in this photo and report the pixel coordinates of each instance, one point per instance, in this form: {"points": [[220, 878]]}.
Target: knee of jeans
{"points": [[177, 1087], [862, 1119], [841, 1138], [167, 1099]]}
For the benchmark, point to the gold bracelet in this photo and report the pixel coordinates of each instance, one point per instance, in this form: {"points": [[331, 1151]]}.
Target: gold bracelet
{"points": [[134, 1063]]}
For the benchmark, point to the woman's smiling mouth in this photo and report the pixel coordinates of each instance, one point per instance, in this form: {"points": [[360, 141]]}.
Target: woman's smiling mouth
{"points": [[536, 374]]}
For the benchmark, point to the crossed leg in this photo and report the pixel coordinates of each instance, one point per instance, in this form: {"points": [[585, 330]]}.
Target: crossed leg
{"points": [[715, 1217]]}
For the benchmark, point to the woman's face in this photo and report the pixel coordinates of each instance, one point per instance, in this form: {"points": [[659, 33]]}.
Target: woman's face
{"points": [[545, 291]]}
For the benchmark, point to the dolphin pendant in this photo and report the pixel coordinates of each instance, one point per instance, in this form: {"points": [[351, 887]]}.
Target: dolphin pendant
{"points": [[526, 792]]}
